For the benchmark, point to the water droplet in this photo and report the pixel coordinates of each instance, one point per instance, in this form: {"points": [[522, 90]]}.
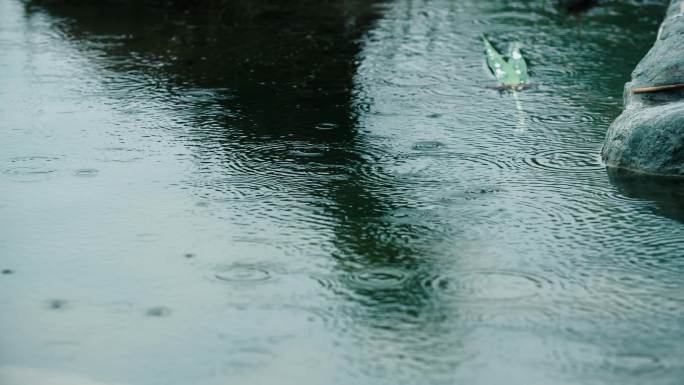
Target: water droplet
{"points": [[158, 311], [86, 172], [56, 304], [427, 145], [326, 126]]}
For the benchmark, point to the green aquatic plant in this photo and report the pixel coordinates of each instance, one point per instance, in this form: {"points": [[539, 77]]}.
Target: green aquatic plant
{"points": [[511, 72]]}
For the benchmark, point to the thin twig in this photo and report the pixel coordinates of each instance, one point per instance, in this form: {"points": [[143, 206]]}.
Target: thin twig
{"points": [[646, 90]]}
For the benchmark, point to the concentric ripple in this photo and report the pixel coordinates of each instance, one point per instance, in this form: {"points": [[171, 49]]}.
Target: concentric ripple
{"points": [[574, 161], [240, 273], [479, 285], [31, 168], [120, 154], [86, 172], [346, 201], [377, 278], [427, 146]]}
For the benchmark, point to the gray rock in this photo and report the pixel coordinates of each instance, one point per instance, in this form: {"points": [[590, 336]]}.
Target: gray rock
{"points": [[648, 137]]}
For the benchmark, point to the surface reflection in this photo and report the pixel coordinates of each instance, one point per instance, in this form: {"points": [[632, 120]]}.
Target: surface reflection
{"points": [[666, 194], [329, 192]]}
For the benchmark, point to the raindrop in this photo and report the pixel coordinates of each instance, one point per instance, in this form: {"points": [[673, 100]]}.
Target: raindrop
{"points": [[56, 304], [574, 161], [86, 172], [378, 278], [427, 145], [158, 311], [485, 285], [238, 273], [326, 126]]}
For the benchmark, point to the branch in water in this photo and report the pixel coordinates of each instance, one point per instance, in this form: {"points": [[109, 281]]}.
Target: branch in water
{"points": [[646, 90]]}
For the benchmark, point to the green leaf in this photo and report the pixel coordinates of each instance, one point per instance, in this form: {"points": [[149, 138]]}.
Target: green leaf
{"points": [[510, 73], [518, 63]]}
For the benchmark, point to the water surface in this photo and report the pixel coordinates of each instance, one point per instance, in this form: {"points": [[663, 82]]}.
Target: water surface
{"points": [[328, 194]]}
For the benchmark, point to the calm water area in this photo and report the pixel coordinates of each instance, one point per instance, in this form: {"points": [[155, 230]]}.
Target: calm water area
{"points": [[328, 193]]}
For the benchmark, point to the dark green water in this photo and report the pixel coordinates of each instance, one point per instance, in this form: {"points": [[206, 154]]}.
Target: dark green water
{"points": [[328, 194]]}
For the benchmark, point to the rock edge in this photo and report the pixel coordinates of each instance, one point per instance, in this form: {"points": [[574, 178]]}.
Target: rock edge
{"points": [[648, 137]]}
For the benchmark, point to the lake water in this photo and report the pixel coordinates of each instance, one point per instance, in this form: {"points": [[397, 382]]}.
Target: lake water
{"points": [[328, 194]]}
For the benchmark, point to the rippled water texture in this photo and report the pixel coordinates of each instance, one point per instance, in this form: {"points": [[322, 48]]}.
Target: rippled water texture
{"points": [[328, 194]]}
